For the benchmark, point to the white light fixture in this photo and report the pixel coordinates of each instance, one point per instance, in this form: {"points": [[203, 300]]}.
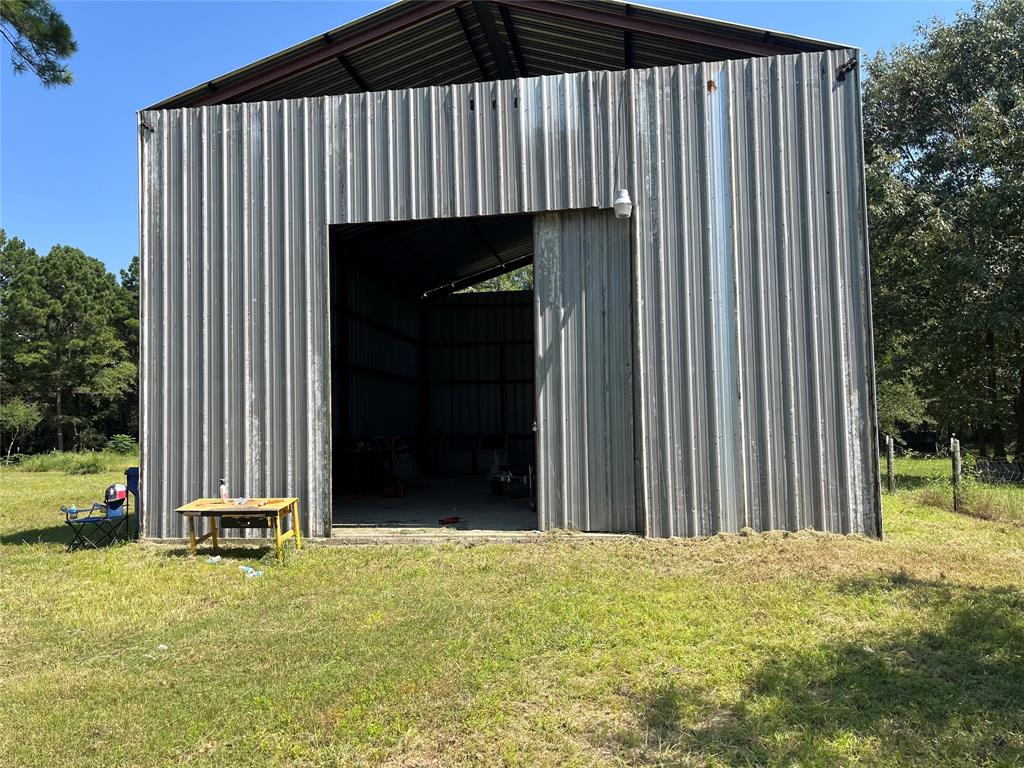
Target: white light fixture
{"points": [[623, 204]]}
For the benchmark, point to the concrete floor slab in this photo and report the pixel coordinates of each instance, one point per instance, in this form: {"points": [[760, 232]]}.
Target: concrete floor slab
{"points": [[468, 498]]}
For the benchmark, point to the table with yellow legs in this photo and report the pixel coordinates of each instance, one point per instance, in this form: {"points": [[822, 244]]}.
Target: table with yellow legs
{"points": [[254, 512]]}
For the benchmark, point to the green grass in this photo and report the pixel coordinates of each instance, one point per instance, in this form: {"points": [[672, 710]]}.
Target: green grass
{"points": [[769, 649], [929, 480]]}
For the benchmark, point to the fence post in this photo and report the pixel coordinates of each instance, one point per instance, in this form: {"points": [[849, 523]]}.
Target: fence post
{"points": [[889, 463], [954, 452]]}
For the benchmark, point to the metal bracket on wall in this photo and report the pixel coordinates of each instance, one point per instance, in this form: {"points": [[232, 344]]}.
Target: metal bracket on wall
{"points": [[845, 67]]}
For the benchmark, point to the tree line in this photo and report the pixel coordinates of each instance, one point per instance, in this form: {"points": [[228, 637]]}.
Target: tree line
{"points": [[944, 141], [944, 147], [69, 340]]}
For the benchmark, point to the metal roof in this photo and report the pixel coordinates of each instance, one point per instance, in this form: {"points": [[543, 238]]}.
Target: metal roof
{"points": [[418, 258], [411, 44]]}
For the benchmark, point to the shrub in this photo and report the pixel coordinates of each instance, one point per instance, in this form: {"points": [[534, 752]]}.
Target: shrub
{"points": [[122, 444], [48, 462], [87, 465], [77, 463]]}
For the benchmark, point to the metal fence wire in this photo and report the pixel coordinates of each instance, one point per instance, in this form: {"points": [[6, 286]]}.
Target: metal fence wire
{"points": [[998, 471], [964, 469]]}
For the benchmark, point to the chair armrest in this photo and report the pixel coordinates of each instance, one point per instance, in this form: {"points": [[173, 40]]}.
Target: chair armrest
{"points": [[74, 513]]}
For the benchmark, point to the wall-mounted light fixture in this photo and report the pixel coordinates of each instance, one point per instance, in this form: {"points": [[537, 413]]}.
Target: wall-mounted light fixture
{"points": [[623, 204]]}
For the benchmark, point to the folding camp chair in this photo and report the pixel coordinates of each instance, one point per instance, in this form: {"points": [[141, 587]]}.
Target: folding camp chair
{"points": [[101, 523]]}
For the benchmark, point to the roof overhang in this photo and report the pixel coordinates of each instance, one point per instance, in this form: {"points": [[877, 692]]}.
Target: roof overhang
{"points": [[412, 44]]}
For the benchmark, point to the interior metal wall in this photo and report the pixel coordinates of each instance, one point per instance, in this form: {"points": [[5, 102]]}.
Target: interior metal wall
{"points": [[480, 362], [383, 361], [586, 476], [755, 392]]}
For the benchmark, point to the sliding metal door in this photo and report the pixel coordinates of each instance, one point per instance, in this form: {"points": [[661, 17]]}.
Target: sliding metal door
{"points": [[584, 372]]}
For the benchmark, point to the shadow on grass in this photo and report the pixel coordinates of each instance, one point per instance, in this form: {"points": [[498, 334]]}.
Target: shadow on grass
{"points": [[948, 693], [54, 534], [59, 533], [916, 483], [227, 552]]}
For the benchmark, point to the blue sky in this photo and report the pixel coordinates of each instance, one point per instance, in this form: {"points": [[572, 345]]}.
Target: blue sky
{"points": [[68, 156]]}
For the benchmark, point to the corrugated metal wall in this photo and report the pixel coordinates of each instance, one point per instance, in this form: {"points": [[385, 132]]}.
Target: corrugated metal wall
{"points": [[514, 146], [752, 323], [756, 391], [235, 363], [584, 372]]}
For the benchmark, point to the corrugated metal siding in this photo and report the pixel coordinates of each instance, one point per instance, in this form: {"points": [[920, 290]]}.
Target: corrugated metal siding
{"points": [[753, 329], [584, 372], [515, 146], [755, 409], [234, 307]]}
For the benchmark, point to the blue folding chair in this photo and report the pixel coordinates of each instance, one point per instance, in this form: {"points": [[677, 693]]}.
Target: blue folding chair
{"points": [[101, 523]]}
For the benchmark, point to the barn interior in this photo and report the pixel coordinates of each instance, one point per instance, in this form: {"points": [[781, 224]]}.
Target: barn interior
{"points": [[433, 393]]}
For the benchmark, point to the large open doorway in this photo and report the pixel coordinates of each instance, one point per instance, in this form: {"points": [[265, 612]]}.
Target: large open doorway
{"points": [[433, 387]]}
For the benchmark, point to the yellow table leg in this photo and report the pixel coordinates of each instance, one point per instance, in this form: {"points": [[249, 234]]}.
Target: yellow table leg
{"points": [[296, 525], [192, 534], [277, 538]]}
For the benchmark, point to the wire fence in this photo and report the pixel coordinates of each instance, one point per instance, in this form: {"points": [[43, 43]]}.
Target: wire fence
{"points": [[958, 480]]}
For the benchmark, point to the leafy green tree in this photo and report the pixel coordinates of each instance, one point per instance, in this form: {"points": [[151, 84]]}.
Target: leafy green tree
{"points": [[22, 315], [129, 323], [944, 135], [40, 40], [517, 280], [17, 418], [63, 337], [130, 283]]}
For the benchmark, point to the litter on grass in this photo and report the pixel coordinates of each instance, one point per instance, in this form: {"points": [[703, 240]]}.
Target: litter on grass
{"points": [[249, 571]]}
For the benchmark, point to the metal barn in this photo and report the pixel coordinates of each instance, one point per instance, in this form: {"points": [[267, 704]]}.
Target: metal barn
{"points": [[702, 365]]}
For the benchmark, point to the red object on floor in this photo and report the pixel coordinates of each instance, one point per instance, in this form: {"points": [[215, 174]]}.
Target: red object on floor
{"points": [[448, 520]]}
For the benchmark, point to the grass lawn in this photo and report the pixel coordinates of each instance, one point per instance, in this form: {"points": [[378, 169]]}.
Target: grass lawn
{"points": [[764, 649]]}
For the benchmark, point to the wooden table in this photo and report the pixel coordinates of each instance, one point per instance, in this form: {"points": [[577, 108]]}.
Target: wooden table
{"points": [[271, 511]]}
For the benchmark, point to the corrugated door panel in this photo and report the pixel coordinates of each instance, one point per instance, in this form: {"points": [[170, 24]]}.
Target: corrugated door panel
{"points": [[584, 372]]}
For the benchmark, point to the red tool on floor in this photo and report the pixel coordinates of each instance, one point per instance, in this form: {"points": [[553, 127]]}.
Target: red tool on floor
{"points": [[448, 520]]}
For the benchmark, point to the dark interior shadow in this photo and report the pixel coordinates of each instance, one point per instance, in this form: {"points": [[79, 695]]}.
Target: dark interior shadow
{"points": [[951, 687]]}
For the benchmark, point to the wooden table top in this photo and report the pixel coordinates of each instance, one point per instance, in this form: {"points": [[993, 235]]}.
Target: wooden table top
{"points": [[218, 508]]}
